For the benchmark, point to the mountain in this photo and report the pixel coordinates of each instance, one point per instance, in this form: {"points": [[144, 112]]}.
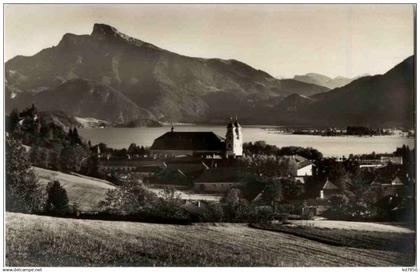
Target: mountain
{"points": [[376, 101], [110, 76], [381, 100], [59, 118], [325, 81], [83, 98]]}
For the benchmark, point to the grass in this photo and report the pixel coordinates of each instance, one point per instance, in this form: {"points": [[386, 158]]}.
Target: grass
{"points": [[33, 240], [86, 191], [89, 191], [402, 242], [355, 225]]}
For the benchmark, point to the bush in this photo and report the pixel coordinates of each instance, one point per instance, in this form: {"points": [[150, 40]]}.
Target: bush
{"points": [[57, 200], [133, 200], [130, 198], [260, 214], [213, 212], [168, 206]]}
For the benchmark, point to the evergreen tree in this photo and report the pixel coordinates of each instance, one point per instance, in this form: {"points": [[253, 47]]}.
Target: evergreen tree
{"points": [[57, 200], [76, 137], [13, 121]]}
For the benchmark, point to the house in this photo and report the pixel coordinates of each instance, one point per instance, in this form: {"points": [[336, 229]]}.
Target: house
{"points": [[218, 180], [329, 189], [146, 167], [388, 187], [391, 160], [205, 144], [179, 172], [397, 181], [303, 169]]}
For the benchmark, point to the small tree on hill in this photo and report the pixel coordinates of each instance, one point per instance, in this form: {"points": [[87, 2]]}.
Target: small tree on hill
{"points": [[57, 200]]}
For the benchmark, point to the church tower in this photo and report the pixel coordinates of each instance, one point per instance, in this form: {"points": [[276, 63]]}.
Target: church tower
{"points": [[233, 139]]}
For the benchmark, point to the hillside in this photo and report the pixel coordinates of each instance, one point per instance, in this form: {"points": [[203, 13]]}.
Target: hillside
{"points": [[86, 191], [110, 76], [88, 99], [47, 241], [325, 81], [375, 101]]}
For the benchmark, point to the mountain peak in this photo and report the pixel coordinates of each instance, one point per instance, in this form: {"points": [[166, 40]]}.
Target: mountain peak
{"points": [[102, 30]]}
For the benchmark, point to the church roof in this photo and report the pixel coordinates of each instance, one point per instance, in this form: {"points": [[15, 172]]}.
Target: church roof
{"points": [[189, 141]]}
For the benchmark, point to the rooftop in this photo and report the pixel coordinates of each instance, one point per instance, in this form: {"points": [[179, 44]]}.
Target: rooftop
{"points": [[208, 141]]}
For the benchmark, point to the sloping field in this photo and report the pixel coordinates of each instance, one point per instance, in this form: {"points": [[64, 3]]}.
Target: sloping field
{"points": [[47, 241], [351, 225], [86, 191]]}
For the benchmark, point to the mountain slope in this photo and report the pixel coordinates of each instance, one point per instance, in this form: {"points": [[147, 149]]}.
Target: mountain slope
{"points": [[168, 85], [83, 98], [322, 80], [377, 101]]}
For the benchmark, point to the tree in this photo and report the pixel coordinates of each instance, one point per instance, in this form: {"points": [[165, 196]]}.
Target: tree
{"points": [[291, 189], [288, 167], [273, 192], [168, 206], [23, 192], [57, 200], [91, 166], [76, 138], [13, 121], [130, 198], [234, 208], [71, 158]]}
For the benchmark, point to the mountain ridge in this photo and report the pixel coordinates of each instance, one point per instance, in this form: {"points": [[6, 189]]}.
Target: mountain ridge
{"points": [[113, 77], [170, 86], [326, 81]]}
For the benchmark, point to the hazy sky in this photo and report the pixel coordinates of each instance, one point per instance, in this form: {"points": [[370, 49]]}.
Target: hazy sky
{"points": [[282, 40]]}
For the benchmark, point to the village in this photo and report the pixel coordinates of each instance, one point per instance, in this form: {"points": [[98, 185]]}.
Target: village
{"points": [[197, 178], [203, 167]]}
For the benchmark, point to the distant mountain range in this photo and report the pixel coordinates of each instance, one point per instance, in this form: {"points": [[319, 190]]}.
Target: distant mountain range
{"points": [[110, 76], [376, 101], [325, 81], [134, 79]]}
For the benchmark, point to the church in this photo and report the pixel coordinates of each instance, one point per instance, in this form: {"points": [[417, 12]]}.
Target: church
{"points": [[199, 144]]}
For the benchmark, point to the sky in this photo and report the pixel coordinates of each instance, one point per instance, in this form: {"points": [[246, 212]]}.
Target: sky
{"points": [[283, 40]]}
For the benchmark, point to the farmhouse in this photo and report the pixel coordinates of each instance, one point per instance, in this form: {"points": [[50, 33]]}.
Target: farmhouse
{"points": [[217, 180], [329, 189], [304, 168], [199, 143]]}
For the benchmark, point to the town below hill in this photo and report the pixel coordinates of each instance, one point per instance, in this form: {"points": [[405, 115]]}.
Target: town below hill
{"points": [[283, 180], [53, 177]]}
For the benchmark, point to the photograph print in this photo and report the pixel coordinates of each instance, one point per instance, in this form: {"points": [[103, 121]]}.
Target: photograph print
{"points": [[209, 135]]}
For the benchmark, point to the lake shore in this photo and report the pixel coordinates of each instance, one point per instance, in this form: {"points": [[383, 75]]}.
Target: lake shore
{"points": [[328, 146]]}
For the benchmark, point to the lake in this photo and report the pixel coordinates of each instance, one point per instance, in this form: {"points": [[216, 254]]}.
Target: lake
{"points": [[328, 146]]}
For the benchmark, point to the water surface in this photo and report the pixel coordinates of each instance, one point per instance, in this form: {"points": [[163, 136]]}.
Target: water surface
{"points": [[328, 146]]}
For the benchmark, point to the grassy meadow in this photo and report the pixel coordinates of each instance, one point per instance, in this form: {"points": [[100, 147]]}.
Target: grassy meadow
{"points": [[86, 191], [33, 240]]}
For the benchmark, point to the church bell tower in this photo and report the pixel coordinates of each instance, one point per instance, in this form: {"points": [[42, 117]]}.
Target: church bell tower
{"points": [[233, 139]]}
